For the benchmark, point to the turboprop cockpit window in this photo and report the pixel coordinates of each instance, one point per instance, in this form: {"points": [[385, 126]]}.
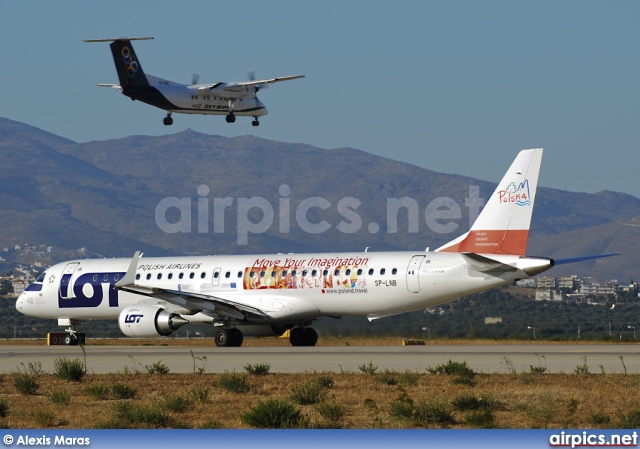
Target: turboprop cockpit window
{"points": [[40, 279]]}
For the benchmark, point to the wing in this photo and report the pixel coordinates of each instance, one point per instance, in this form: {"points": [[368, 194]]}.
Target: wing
{"points": [[194, 302], [238, 87]]}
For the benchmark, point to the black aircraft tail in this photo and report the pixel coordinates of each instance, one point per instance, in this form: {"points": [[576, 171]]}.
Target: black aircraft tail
{"points": [[128, 66]]}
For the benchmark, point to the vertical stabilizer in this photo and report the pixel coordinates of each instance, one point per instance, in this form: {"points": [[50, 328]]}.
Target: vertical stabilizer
{"points": [[128, 66], [503, 225]]}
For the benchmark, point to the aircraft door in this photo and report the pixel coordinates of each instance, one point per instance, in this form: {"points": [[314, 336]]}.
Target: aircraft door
{"points": [[216, 277], [413, 273], [66, 292]]}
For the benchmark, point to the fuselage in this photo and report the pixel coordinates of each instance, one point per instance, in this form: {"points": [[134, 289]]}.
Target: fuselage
{"points": [[288, 287]]}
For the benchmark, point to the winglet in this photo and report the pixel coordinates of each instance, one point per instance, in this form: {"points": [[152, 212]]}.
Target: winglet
{"points": [[130, 276]]}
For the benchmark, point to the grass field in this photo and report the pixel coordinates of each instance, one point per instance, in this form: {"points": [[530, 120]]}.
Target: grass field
{"points": [[451, 396]]}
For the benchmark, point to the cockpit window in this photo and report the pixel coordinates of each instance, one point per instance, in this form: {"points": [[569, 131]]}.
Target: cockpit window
{"points": [[41, 277]]}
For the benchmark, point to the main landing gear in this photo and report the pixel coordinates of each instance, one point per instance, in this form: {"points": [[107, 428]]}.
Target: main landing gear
{"points": [[168, 120], [229, 338], [231, 118], [300, 336], [255, 122]]}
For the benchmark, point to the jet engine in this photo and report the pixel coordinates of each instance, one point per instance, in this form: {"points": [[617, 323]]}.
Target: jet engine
{"points": [[147, 321]]}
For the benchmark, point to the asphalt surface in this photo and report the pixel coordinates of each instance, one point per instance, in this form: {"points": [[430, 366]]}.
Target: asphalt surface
{"points": [[557, 358]]}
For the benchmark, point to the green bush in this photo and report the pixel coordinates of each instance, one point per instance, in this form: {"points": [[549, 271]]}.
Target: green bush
{"points": [[482, 419], [331, 410], [324, 381], [177, 403], [25, 384], [71, 370], [234, 383], [368, 369], [157, 368], [409, 378], [453, 368], [97, 391], [60, 397], [387, 377], [44, 418], [307, 393], [433, 413], [631, 420], [128, 413], [259, 369], [122, 391], [200, 394], [273, 414], [4, 408]]}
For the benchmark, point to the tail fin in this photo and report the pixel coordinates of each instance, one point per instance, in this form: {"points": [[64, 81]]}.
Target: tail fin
{"points": [[128, 66], [503, 225]]}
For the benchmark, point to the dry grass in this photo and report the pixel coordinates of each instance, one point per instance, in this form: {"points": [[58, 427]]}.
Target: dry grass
{"points": [[517, 400]]}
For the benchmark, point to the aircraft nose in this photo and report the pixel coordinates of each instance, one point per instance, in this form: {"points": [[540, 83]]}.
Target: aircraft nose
{"points": [[20, 303]]}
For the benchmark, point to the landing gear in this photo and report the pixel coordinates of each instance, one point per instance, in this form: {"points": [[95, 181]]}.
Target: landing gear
{"points": [[229, 338], [168, 120], [73, 338], [255, 122], [303, 336], [231, 118]]}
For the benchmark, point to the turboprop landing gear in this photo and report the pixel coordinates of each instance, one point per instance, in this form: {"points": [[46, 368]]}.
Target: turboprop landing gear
{"points": [[255, 122], [231, 118], [168, 120], [229, 338], [306, 336]]}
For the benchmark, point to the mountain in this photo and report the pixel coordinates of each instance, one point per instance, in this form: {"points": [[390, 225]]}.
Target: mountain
{"points": [[243, 194]]}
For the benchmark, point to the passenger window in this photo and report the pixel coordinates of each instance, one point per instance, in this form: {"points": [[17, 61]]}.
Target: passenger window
{"points": [[262, 274], [181, 275], [314, 272], [294, 272], [370, 271], [304, 273], [159, 276], [148, 276], [95, 278], [227, 274], [337, 272], [251, 274], [359, 271], [394, 271], [105, 278], [273, 274], [216, 274], [348, 272], [325, 273], [239, 274], [116, 277], [137, 276], [382, 270], [170, 276], [192, 275], [284, 273], [202, 275]]}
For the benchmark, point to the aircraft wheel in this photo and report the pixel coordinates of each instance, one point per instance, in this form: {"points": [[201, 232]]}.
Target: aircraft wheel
{"points": [[70, 341], [310, 336], [236, 337], [223, 338], [297, 337], [167, 121], [255, 123], [231, 118]]}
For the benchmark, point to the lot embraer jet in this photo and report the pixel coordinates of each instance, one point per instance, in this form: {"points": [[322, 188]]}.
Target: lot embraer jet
{"points": [[230, 99], [263, 295]]}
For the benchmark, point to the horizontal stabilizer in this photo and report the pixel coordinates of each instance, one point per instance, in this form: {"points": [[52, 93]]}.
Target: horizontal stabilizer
{"points": [[582, 258], [112, 39]]}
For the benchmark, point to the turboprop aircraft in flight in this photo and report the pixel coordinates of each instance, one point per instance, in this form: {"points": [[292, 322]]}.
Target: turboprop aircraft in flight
{"points": [[229, 99], [262, 295]]}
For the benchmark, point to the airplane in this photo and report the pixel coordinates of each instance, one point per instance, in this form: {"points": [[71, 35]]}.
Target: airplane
{"points": [[229, 99], [261, 295]]}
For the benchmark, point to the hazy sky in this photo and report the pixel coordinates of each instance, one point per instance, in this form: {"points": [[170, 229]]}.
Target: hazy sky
{"points": [[453, 86]]}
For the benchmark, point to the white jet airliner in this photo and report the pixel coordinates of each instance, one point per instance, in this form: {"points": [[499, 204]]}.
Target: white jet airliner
{"points": [[263, 295], [229, 99]]}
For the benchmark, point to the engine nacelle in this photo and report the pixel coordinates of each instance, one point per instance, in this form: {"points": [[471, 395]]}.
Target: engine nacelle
{"points": [[147, 321]]}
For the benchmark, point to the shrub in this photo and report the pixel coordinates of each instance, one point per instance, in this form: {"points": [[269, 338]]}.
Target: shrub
{"points": [[331, 410], [60, 397], [139, 415], [305, 394], [157, 368], [600, 419], [176, 403], [631, 420], [97, 391], [122, 391], [4, 408], [273, 414], [387, 377], [234, 383], [259, 369], [482, 419], [429, 413], [368, 369], [71, 370], [44, 418], [25, 384], [409, 378], [200, 394], [453, 368], [324, 381]]}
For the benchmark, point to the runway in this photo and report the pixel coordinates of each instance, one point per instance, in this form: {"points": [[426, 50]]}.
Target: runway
{"points": [[558, 358]]}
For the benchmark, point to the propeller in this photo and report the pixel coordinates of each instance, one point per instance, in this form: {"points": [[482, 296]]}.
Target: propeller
{"points": [[195, 78], [251, 74]]}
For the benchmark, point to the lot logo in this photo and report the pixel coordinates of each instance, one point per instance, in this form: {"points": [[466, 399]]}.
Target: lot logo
{"points": [[518, 194], [133, 318]]}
